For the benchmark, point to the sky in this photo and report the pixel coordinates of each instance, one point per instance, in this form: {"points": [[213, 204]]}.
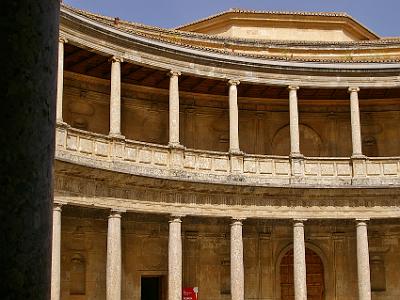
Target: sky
{"points": [[381, 16]]}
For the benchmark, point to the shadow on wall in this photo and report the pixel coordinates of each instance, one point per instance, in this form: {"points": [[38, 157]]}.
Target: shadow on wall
{"points": [[310, 141]]}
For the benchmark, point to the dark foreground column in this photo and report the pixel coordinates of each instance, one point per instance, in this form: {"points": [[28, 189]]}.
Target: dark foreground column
{"points": [[28, 59]]}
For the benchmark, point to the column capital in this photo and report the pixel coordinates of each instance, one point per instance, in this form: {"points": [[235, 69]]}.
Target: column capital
{"points": [[116, 213], [174, 73], [62, 39], [58, 206], [293, 87], [237, 221], [353, 89], [234, 82], [114, 59], [298, 222], [362, 221], [176, 218]]}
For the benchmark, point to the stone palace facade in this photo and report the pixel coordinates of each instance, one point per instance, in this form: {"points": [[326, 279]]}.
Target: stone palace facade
{"points": [[251, 154]]}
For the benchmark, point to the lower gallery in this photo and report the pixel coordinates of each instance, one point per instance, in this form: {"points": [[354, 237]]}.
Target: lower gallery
{"points": [[210, 250], [223, 160]]}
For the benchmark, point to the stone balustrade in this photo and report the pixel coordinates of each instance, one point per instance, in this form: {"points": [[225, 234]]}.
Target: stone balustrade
{"points": [[139, 158]]}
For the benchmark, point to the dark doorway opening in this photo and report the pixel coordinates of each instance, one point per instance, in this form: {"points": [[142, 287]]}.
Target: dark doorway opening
{"points": [[151, 288]]}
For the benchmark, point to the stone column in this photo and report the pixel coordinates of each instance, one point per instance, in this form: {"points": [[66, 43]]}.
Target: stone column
{"points": [[60, 80], [237, 267], [294, 121], [29, 30], [56, 253], [175, 259], [233, 117], [174, 108], [355, 122], [299, 256], [113, 276], [115, 98], [363, 272]]}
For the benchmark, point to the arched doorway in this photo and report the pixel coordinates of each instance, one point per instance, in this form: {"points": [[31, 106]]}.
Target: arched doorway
{"points": [[315, 276]]}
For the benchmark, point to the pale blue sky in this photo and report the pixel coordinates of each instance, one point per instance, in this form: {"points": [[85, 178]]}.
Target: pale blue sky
{"points": [[381, 16]]}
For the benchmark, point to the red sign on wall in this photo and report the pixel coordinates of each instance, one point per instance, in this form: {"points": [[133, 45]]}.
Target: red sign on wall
{"points": [[190, 293]]}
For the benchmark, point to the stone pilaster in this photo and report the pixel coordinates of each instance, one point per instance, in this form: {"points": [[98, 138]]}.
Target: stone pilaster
{"points": [[233, 117], [299, 256], [237, 266], [174, 109], [114, 267], [56, 254], [60, 80], [294, 122], [175, 259], [363, 269], [115, 98], [355, 122]]}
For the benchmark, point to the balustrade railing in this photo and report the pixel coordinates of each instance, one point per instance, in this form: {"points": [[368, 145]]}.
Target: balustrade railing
{"points": [[246, 168]]}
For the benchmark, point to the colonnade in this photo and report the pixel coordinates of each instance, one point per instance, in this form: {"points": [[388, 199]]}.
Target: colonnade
{"points": [[234, 145], [175, 256]]}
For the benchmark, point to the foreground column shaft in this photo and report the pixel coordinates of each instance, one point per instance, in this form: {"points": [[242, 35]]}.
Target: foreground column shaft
{"points": [[233, 116], [56, 254], [175, 260], [299, 256], [115, 97], [28, 89], [174, 108], [294, 121], [355, 122], [363, 270], [60, 80], [113, 276], [237, 268]]}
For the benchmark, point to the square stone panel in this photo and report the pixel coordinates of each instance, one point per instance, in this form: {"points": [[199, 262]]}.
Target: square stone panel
{"points": [[60, 138], [266, 167], [130, 153], [359, 168], [250, 166], [101, 148], [145, 156], [390, 169], [221, 164], [204, 163], [85, 145], [119, 150], [160, 158], [72, 142], [373, 169], [343, 169], [282, 168], [327, 169], [190, 161], [311, 169]]}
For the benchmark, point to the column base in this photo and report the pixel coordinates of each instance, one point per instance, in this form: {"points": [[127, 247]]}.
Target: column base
{"points": [[176, 146], [117, 136], [358, 156], [236, 152], [296, 155]]}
